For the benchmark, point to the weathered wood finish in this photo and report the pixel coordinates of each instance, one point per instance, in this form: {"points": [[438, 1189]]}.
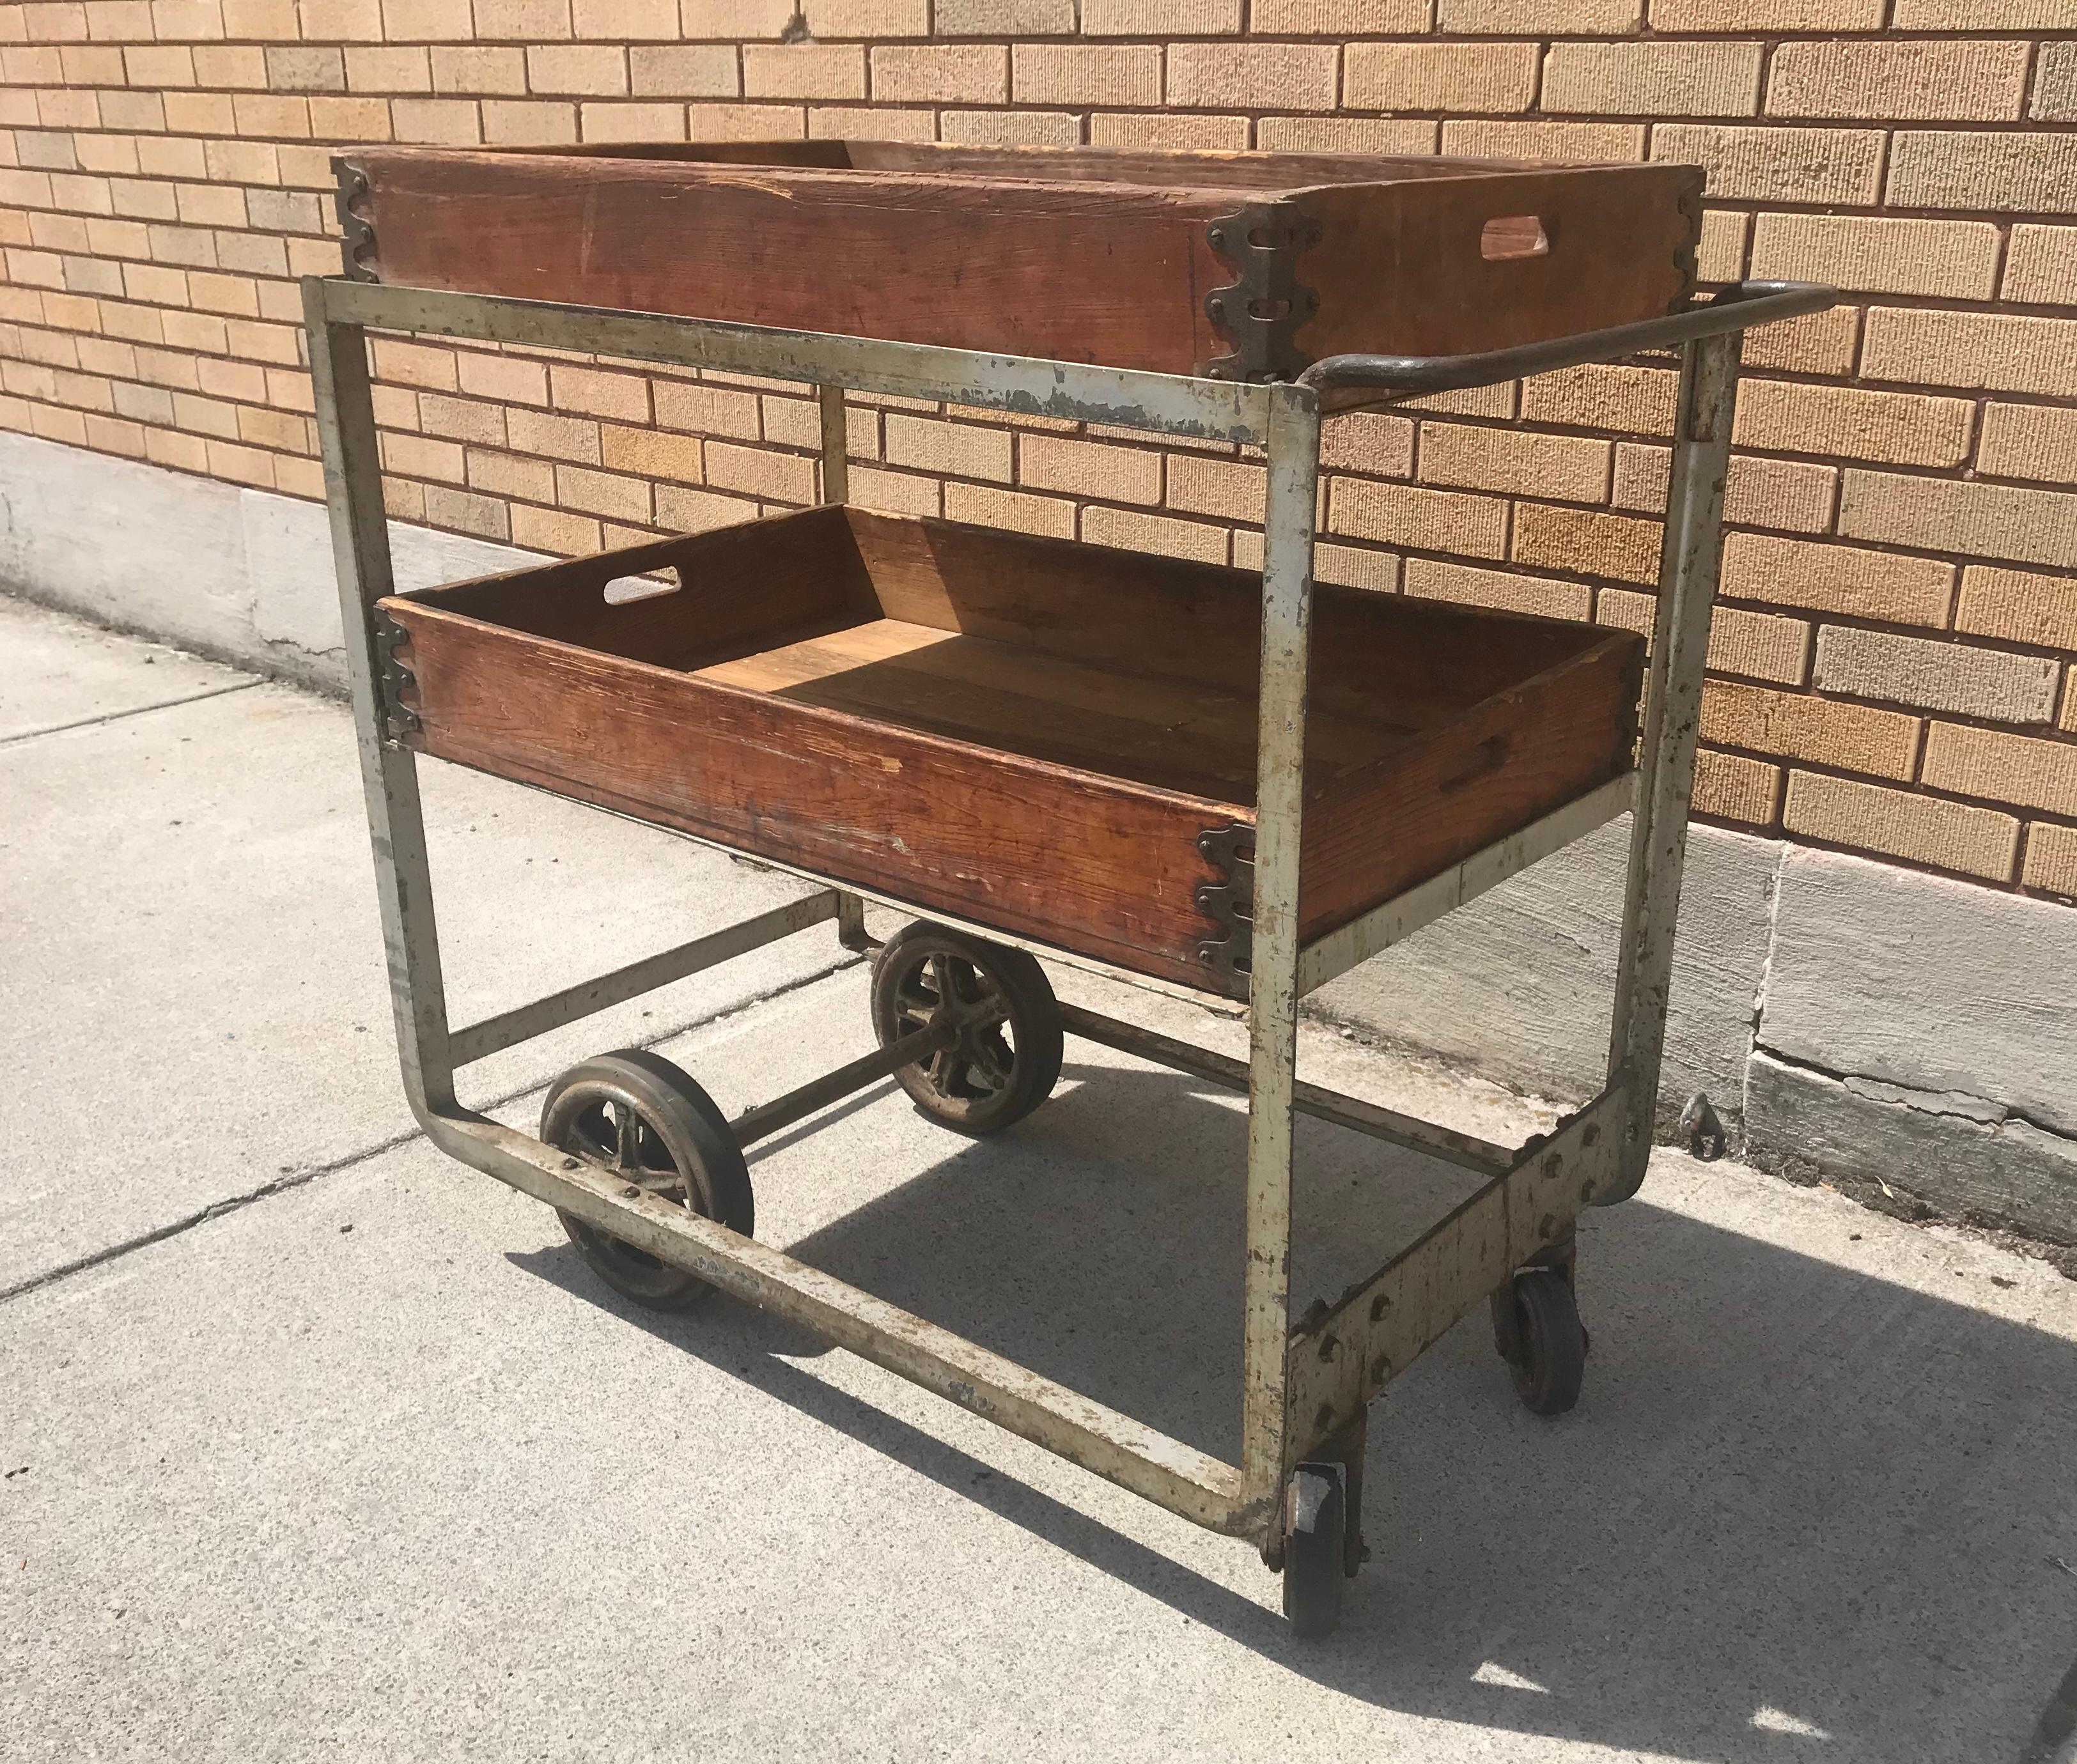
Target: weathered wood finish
{"points": [[1027, 733], [1075, 254]]}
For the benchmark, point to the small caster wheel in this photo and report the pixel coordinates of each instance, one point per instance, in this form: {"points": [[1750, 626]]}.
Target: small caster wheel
{"points": [[1000, 1056], [1315, 1550], [1540, 1337], [641, 1118]]}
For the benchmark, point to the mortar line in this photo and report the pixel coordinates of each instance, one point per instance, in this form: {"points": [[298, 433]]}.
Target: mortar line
{"points": [[119, 716], [283, 1184]]}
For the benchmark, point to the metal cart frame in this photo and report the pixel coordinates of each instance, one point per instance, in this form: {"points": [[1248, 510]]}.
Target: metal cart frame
{"points": [[1307, 1383]]}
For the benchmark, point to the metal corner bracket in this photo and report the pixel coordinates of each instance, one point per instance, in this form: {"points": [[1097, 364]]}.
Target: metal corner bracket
{"points": [[356, 234], [1260, 310], [398, 718], [1229, 904]]}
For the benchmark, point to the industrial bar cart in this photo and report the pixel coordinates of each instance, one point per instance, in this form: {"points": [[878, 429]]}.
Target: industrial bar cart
{"points": [[975, 728]]}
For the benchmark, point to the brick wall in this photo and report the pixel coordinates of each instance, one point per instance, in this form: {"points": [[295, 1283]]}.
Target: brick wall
{"points": [[1894, 657]]}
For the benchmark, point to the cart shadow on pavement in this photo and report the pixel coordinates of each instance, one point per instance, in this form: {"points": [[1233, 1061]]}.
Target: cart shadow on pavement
{"points": [[1801, 1512]]}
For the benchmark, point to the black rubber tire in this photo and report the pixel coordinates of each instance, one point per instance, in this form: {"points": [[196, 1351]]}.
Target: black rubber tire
{"points": [[984, 1081], [1551, 1362], [1314, 1547], [678, 1131]]}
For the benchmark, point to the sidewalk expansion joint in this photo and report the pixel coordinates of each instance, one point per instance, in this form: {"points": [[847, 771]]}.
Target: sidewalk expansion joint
{"points": [[122, 716], [290, 1180]]}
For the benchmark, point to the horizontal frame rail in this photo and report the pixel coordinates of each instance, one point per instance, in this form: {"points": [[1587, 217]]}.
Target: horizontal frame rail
{"points": [[1164, 1470], [1169, 404], [1341, 1360], [523, 1022], [1323, 1104], [782, 1112], [1378, 930]]}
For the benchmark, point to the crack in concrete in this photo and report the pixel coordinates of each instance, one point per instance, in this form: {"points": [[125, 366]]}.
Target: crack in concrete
{"points": [[292, 1181], [119, 716], [1989, 1113]]}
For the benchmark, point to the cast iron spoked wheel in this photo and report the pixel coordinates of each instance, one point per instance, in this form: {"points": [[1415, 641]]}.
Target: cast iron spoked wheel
{"points": [[1000, 1054], [637, 1115], [1549, 1350], [1315, 1550]]}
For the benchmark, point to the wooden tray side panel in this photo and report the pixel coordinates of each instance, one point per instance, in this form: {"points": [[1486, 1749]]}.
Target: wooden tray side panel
{"points": [[1064, 271], [1401, 270], [1517, 756], [1087, 863]]}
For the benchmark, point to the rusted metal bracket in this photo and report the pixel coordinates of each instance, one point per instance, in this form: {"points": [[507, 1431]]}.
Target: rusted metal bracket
{"points": [[1259, 312], [394, 680], [1229, 904], [1683, 255], [356, 236]]}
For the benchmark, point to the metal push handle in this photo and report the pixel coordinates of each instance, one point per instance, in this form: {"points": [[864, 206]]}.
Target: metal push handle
{"points": [[1735, 308]]}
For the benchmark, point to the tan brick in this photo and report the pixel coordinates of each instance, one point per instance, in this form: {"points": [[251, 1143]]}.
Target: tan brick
{"points": [[1167, 129], [1338, 18], [986, 506], [1943, 514], [1981, 15], [1897, 428], [1570, 468], [706, 409], [1901, 824], [1925, 80], [461, 419], [1162, 18], [461, 511], [679, 510], [1130, 531], [1004, 18], [1766, 16], [173, 20], [1507, 138], [797, 423], [2055, 83], [521, 21], [2042, 265], [1653, 79], [553, 531], [1777, 164], [560, 438], [868, 18], [1423, 520], [1836, 579], [947, 73], [1089, 468], [1825, 343], [1228, 490], [414, 364], [253, 20], [2018, 605], [2030, 441], [2051, 859], [1453, 78], [2068, 720], [1369, 441], [1343, 135], [1252, 76], [804, 70], [1010, 128], [1468, 585], [1537, 18], [1060, 74], [474, 68], [1639, 400], [1730, 787], [1350, 566], [502, 474], [437, 122], [1794, 726], [1958, 678], [609, 122], [2023, 770], [745, 122], [782, 476], [683, 70], [1951, 259], [1758, 645], [2033, 170], [602, 493], [952, 449], [1585, 542], [415, 456], [435, 21], [507, 122], [594, 69], [1791, 496], [895, 492], [1719, 254], [631, 21], [624, 396]]}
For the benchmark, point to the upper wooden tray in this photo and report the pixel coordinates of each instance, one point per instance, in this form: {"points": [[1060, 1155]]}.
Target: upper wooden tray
{"points": [[1238, 265]]}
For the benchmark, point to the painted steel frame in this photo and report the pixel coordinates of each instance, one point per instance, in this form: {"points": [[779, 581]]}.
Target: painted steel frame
{"points": [[1304, 1387]]}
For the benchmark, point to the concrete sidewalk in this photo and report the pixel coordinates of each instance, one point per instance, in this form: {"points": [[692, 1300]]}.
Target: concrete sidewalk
{"points": [[320, 1445]]}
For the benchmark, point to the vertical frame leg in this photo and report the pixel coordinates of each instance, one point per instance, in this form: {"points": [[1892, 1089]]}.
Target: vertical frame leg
{"points": [[836, 488], [1287, 612], [360, 549], [1688, 571]]}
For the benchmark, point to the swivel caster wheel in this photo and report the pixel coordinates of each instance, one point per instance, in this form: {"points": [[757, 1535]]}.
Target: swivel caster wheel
{"points": [[640, 1117], [1315, 1549], [1536, 1326], [1000, 1053]]}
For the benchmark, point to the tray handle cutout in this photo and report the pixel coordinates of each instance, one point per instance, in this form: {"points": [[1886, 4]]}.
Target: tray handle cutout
{"points": [[1506, 237], [626, 590]]}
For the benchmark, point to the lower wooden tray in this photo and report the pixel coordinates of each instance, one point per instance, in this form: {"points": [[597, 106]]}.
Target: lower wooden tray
{"points": [[1027, 733]]}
